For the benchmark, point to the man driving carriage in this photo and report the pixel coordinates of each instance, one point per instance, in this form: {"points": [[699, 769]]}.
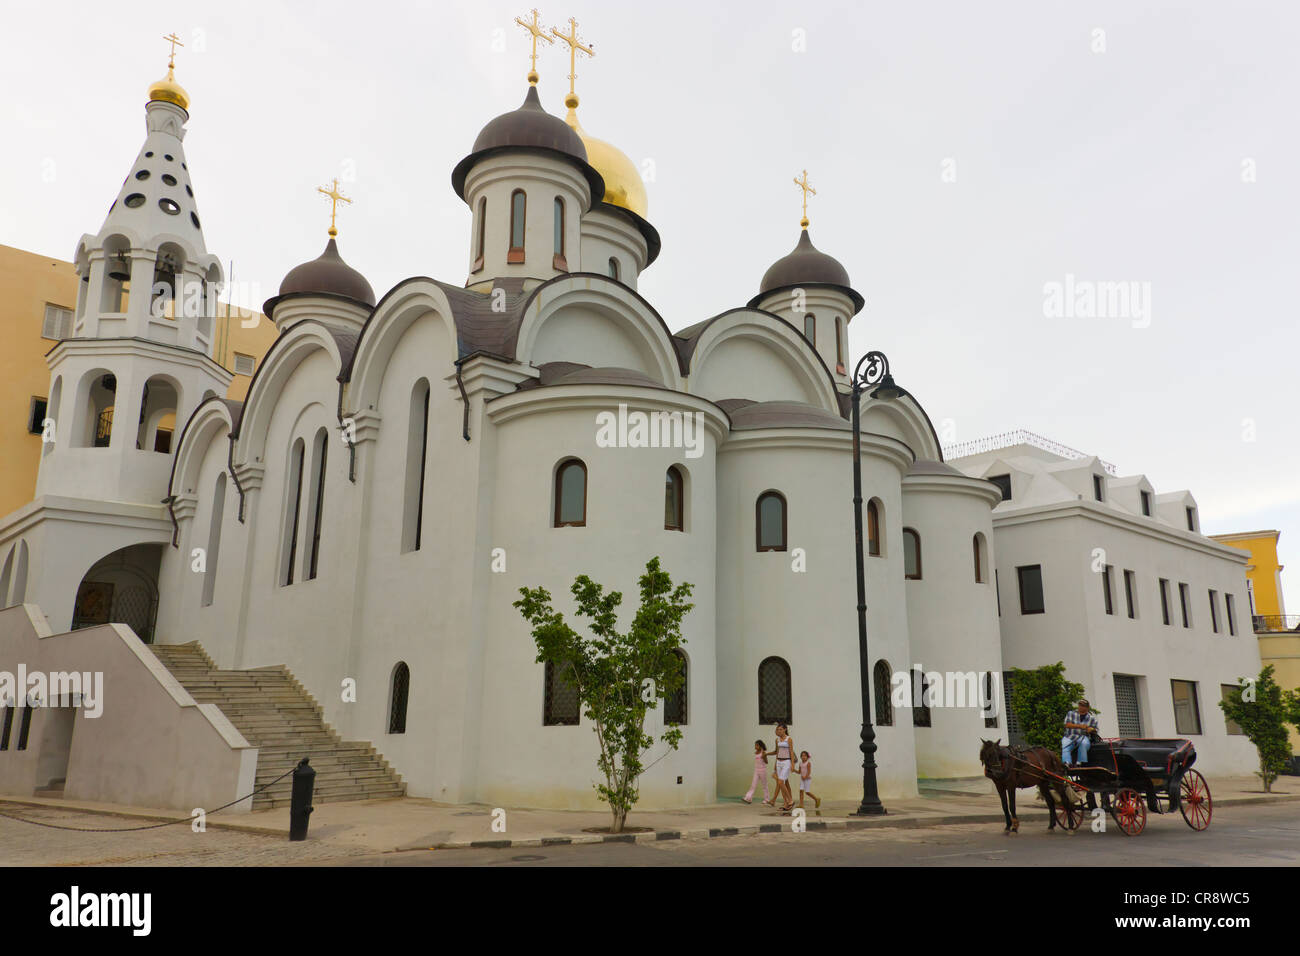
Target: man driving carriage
{"points": [[1080, 725]]}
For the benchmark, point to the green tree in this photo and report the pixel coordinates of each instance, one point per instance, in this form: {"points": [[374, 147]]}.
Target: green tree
{"points": [[1040, 699], [618, 676], [1261, 709]]}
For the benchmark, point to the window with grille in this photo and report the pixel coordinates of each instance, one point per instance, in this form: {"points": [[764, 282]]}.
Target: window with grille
{"points": [[882, 680], [560, 706], [1015, 736], [57, 323], [1187, 710], [1126, 706], [398, 698], [104, 428], [244, 364], [675, 703], [920, 709], [774, 692]]}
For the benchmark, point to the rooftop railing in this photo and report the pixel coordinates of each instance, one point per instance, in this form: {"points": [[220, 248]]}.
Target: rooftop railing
{"points": [[1020, 436]]}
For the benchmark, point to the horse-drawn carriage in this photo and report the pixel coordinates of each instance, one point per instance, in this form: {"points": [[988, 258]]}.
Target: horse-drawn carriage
{"points": [[1132, 776]]}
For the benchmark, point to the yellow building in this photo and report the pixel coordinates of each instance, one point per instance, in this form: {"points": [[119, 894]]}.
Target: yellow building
{"points": [[37, 298]]}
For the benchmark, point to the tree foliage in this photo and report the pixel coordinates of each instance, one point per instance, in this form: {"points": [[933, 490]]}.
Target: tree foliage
{"points": [[1040, 699], [1262, 709]]}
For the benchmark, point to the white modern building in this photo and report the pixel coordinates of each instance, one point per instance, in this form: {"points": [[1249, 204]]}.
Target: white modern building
{"points": [[1113, 578]]}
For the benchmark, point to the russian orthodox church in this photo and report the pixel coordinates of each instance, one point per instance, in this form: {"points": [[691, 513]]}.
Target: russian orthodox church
{"points": [[405, 462]]}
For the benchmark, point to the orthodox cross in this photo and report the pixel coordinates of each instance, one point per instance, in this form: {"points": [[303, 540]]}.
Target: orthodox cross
{"points": [[175, 41], [538, 33], [335, 197], [802, 183], [575, 47]]}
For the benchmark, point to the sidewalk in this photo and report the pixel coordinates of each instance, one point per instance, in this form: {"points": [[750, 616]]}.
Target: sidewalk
{"points": [[411, 823]]}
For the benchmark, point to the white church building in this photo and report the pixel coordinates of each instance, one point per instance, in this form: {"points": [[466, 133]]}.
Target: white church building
{"points": [[404, 463]]}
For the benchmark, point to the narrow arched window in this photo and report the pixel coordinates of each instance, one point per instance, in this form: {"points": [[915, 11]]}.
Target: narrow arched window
{"points": [[214, 538], [518, 212], [771, 521], [911, 555], [614, 272], [774, 692], [920, 708], [560, 705], [480, 240], [559, 229], [810, 328], [882, 681], [292, 506], [839, 342], [417, 448], [674, 500], [571, 494], [397, 698], [873, 528], [316, 502], [675, 702], [978, 556]]}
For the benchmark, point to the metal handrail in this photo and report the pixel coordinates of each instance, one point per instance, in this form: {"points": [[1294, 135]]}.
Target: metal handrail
{"points": [[1270, 623]]}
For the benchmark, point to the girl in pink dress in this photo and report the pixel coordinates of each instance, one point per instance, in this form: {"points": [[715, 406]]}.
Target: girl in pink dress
{"points": [[760, 773]]}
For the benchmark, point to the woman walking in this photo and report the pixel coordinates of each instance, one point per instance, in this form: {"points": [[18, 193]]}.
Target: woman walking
{"points": [[784, 753], [759, 782]]}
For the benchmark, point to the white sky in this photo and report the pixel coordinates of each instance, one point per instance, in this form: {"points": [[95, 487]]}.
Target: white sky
{"points": [[1122, 165]]}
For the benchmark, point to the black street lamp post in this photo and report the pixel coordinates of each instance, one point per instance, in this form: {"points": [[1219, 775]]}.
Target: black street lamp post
{"points": [[872, 371]]}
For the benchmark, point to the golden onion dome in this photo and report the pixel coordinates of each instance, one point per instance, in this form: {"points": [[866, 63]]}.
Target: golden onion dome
{"points": [[623, 184], [167, 90]]}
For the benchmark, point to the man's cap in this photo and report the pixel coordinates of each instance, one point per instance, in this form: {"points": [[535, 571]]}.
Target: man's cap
{"points": [[1084, 701]]}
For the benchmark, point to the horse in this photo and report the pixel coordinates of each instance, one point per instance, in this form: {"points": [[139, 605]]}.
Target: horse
{"points": [[1016, 768]]}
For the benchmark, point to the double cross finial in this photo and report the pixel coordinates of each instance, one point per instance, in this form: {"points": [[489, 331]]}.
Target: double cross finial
{"points": [[534, 27], [175, 41], [576, 46], [802, 183], [335, 197]]}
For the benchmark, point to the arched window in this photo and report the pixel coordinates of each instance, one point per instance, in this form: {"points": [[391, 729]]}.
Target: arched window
{"points": [[980, 556], [675, 703], [397, 698], [480, 240], [6, 572], [920, 708], [159, 401], [292, 505], [771, 521], [560, 698], [911, 555], [20, 575], [214, 539], [614, 272], [810, 328], [882, 681], [674, 500], [417, 438], [559, 234], [873, 528], [571, 494], [774, 692], [92, 409], [316, 501], [518, 212], [839, 343]]}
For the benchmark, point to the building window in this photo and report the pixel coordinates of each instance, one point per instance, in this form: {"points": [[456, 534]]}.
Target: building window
{"points": [[1230, 605], [911, 554], [1184, 599], [614, 271], [518, 213], [989, 702], [1226, 691], [244, 364], [1127, 712], [674, 499], [1191, 519], [214, 539], [417, 454], [560, 706], [1098, 487], [1164, 601], [997, 590], [558, 243], [920, 707], [24, 726], [571, 494], [397, 698], [770, 517], [810, 328], [1004, 485], [977, 554], [1107, 592], [774, 692], [1146, 502], [1187, 711], [36, 413], [8, 721], [675, 703], [882, 682], [1031, 589], [293, 504], [57, 322], [839, 344], [1214, 611], [480, 241], [316, 502], [873, 528], [1015, 736], [1130, 594]]}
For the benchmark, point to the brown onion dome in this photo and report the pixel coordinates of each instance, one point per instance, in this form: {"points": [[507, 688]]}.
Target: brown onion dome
{"points": [[326, 275], [529, 128], [806, 266]]}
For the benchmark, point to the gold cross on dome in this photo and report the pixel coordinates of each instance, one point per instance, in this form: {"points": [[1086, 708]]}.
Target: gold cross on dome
{"points": [[802, 183], [534, 28], [335, 197], [575, 47], [175, 41]]}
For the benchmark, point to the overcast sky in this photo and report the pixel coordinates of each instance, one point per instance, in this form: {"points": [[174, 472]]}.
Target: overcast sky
{"points": [[965, 155]]}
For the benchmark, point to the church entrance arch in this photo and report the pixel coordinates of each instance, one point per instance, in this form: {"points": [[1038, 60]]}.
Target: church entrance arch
{"points": [[121, 588]]}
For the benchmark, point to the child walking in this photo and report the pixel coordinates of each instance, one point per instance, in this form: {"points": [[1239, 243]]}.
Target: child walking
{"points": [[759, 782], [805, 779]]}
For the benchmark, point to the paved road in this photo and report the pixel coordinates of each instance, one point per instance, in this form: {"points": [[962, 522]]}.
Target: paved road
{"points": [[1263, 835]]}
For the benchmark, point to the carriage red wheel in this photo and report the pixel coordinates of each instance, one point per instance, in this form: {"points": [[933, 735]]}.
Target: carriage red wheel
{"points": [[1194, 800], [1130, 811], [1069, 817]]}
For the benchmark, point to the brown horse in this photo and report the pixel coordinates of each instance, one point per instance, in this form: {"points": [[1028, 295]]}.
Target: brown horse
{"points": [[1012, 768]]}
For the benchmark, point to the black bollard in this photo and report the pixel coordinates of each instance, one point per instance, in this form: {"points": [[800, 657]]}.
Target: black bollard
{"points": [[304, 781]]}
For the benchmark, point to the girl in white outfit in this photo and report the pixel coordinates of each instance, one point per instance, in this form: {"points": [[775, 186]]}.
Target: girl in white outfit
{"points": [[784, 753]]}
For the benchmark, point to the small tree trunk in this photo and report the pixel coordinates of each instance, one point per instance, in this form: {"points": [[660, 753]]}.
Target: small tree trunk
{"points": [[619, 817]]}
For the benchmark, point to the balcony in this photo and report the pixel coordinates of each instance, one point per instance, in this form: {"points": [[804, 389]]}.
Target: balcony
{"points": [[1276, 623]]}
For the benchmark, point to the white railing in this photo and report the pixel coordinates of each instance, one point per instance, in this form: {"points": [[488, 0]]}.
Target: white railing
{"points": [[1020, 436]]}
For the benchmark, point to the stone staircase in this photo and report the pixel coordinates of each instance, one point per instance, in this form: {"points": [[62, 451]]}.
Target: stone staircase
{"points": [[277, 715]]}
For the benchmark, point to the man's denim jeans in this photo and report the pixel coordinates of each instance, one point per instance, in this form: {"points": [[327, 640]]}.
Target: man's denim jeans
{"points": [[1069, 743]]}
